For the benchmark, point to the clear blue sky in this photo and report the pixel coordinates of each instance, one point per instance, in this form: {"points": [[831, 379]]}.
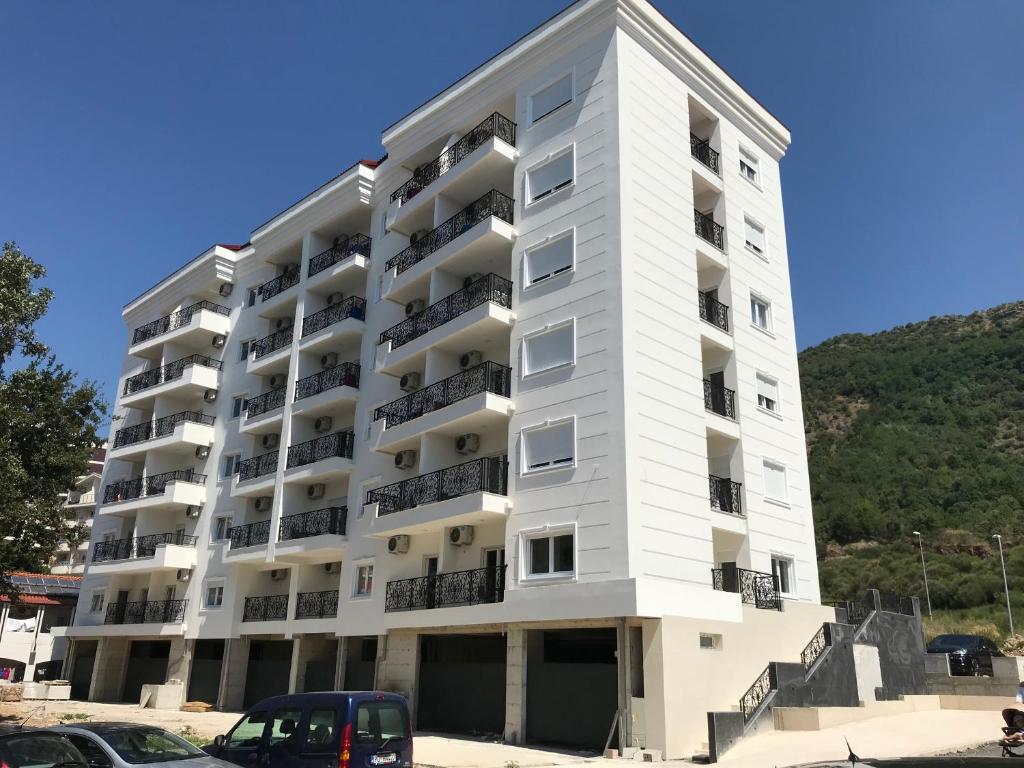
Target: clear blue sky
{"points": [[134, 135]]}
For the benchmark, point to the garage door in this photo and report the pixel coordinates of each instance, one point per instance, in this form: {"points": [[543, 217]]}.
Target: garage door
{"points": [[147, 663], [270, 664], [462, 684]]}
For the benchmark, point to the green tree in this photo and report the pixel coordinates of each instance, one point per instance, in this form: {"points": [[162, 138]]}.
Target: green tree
{"points": [[48, 423]]}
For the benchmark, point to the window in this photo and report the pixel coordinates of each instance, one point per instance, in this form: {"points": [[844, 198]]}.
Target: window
{"points": [[767, 393], [283, 725], [245, 348], [250, 299], [549, 348], [231, 463], [549, 259], [221, 528], [782, 570], [549, 446], [91, 751], [775, 485], [709, 642], [550, 98], [380, 721], [364, 580], [214, 597], [550, 554], [96, 604], [761, 312], [750, 167], [237, 406], [320, 737], [755, 236], [550, 176], [248, 732]]}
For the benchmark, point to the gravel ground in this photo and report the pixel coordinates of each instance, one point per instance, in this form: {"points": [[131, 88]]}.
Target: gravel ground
{"points": [[983, 750]]}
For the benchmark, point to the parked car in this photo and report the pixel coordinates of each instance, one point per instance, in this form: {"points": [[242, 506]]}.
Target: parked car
{"points": [[321, 730], [914, 762], [32, 748], [968, 654], [124, 745]]}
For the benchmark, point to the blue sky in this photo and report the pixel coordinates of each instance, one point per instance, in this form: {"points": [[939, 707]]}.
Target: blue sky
{"points": [[134, 135]]}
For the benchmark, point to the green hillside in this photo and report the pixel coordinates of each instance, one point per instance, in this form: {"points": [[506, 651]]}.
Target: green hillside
{"points": [[920, 428]]}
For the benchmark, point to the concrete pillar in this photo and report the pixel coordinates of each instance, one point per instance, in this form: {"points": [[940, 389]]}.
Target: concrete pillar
{"points": [[179, 660], [109, 669], [67, 668], [233, 674], [379, 666], [339, 664], [398, 671], [294, 675], [515, 686]]}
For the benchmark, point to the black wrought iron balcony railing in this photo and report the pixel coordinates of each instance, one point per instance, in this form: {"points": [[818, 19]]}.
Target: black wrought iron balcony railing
{"points": [[329, 520], [257, 466], [146, 612], [279, 284], [165, 425], [316, 605], [719, 399], [701, 149], [353, 306], [474, 587], [169, 372], [342, 248], [265, 608], [336, 444], [708, 229], [268, 401], [175, 320], [489, 288], [272, 343], [491, 204], [341, 375], [151, 485], [725, 495], [249, 535], [713, 311], [486, 377], [754, 587], [485, 475], [138, 547], [496, 125]]}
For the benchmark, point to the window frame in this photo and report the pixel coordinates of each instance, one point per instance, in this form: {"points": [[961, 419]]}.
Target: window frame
{"points": [[769, 326], [524, 470], [102, 595], [768, 378], [791, 575], [214, 583], [767, 462], [750, 221], [235, 459], [545, 331], [528, 280], [550, 532], [230, 518], [569, 149], [533, 120], [753, 162], [358, 567], [251, 296], [244, 398]]}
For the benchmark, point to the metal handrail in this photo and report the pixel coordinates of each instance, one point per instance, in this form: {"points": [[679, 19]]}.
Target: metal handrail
{"points": [[272, 343], [316, 605], [268, 401], [701, 149], [138, 546], [725, 495], [150, 485], [165, 373], [265, 608], [249, 535], [336, 444], [471, 587], [341, 375], [719, 399], [342, 248], [279, 284], [708, 229], [353, 306], [146, 612], [713, 311], [175, 320], [487, 475], [257, 466], [317, 522], [486, 377], [149, 430]]}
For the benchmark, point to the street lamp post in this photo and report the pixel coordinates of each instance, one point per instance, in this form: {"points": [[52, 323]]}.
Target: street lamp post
{"points": [[924, 569], [1006, 586]]}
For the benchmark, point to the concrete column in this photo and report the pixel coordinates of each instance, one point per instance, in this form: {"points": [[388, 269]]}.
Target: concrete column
{"points": [[233, 674], [515, 686], [339, 664], [109, 669], [294, 674], [399, 669], [379, 670], [179, 660], [67, 668]]}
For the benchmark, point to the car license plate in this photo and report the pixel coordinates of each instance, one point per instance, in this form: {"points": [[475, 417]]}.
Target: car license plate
{"points": [[384, 758]]}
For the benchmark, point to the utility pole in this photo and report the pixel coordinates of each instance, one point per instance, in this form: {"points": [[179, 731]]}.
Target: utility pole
{"points": [[924, 569], [1006, 586]]}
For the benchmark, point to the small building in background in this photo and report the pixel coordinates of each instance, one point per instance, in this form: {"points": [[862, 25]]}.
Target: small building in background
{"points": [[79, 505], [33, 625]]}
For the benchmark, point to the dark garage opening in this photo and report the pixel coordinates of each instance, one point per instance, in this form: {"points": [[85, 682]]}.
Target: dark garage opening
{"points": [[571, 687], [270, 663], [147, 663], [81, 674], [360, 663], [462, 684], [204, 680]]}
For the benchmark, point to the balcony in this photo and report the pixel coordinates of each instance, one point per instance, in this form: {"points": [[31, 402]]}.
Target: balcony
{"points": [[147, 612], [178, 488], [249, 535], [279, 284], [333, 323], [262, 404], [482, 307], [270, 351], [702, 151], [719, 399], [144, 554], [474, 587], [266, 608], [330, 520], [713, 311], [193, 326], [189, 375], [316, 605], [256, 475], [140, 546], [726, 495], [754, 588], [181, 432], [343, 248], [472, 493], [708, 229], [321, 458]]}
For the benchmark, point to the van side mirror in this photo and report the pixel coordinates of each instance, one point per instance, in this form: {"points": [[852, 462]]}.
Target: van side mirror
{"points": [[218, 741]]}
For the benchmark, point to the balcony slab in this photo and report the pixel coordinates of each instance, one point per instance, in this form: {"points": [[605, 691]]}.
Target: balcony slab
{"points": [[715, 337], [264, 423], [353, 267], [324, 402], [177, 494], [263, 485], [274, 362], [168, 557], [186, 437], [319, 471], [127, 630], [480, 413], [344, 330], [324, 548], [716, 424], [194, 380], [196, 336], [472, 509]]}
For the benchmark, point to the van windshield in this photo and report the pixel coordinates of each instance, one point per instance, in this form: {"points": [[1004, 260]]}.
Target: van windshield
{"points": [[381, 721]]}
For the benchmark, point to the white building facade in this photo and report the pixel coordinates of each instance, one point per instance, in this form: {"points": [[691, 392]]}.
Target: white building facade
{"points": [[510, 419]]}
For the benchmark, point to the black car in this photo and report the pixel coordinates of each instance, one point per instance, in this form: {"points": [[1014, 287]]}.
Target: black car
{"points": [[30, 748], [968, 654]]}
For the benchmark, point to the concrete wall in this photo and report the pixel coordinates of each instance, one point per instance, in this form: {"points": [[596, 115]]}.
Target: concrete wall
{"points": [[109, 669], [399, 669]]}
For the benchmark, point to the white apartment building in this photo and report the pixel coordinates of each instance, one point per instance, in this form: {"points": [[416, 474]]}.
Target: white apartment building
{"points": [[509, 421], [79, 505]]}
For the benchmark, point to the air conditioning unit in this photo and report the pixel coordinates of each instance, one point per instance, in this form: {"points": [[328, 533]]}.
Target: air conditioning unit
{"points": [[470, 359], [323, 424], [263, 503], [418, 235], [414, 307], [271, 441], [332, 567], [219, 341], [472, 279], [316, 491], [202, 451], [184, 574], [409, 382], [283, 323], [335, 298], [398, 545], [225, 289], [291, 269], [461, 535], [278, 574], [329, 360], [405, 459], [467, 443], [210, 395], [278, 381], [193, 511]]}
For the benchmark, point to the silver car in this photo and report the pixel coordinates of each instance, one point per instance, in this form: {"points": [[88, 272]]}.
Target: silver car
{"points": [[127, 745]]}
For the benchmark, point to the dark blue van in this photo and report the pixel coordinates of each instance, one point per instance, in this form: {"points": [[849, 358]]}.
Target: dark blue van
{"points": [[338, 729]]}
